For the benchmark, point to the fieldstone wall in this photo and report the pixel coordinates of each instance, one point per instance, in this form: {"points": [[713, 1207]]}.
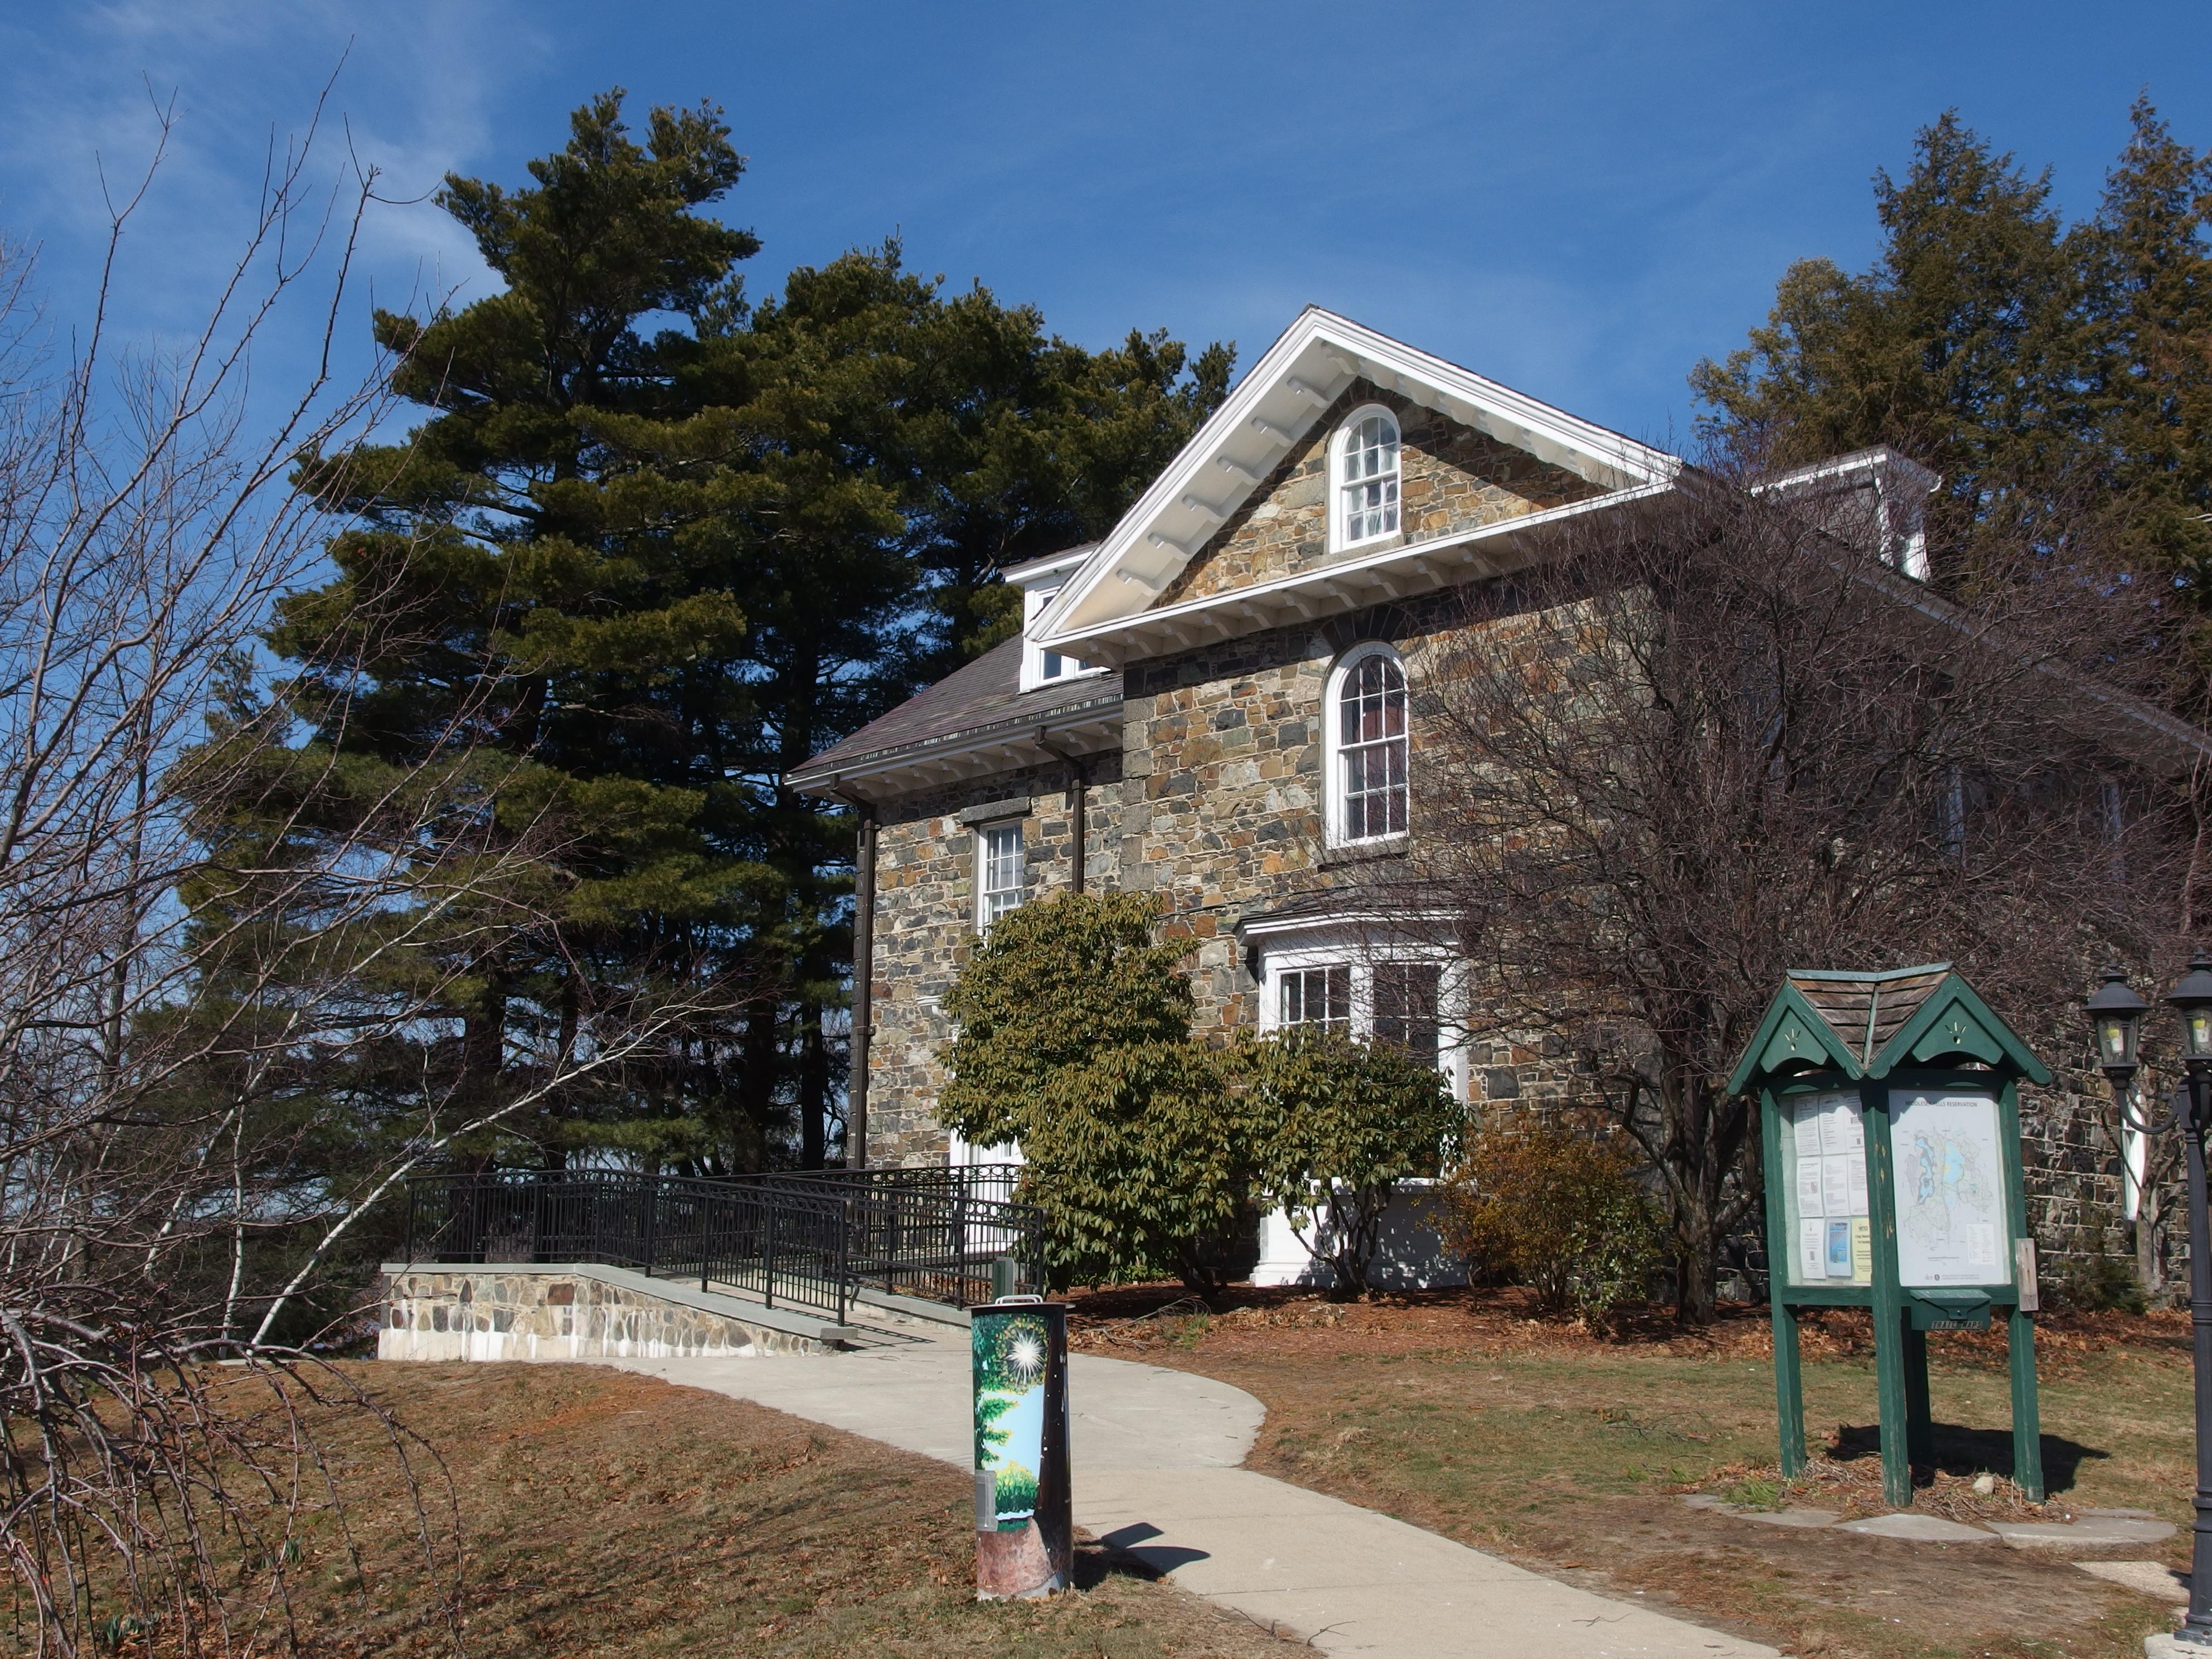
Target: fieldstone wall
{"points": [[925, 925], [1451, 478], [1222, 792], [503, 1313], [2077, 1194], [1217, 806]]}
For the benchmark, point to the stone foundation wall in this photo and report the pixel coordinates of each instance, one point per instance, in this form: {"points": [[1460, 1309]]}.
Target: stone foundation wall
{"points": [[503, 1313]]}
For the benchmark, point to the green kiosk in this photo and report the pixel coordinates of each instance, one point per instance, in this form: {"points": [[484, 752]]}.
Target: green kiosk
{"points": [[1889, 1107]]}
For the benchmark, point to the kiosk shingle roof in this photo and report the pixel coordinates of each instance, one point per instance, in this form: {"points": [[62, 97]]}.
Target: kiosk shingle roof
{"points": [[1867, 1010]]}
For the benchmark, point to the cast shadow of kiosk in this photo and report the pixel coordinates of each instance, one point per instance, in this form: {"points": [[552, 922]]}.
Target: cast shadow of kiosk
{"points": [[1889, 1111]]}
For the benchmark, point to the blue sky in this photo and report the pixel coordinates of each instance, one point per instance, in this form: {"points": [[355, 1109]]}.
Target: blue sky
{"points": [[1579, 200]]}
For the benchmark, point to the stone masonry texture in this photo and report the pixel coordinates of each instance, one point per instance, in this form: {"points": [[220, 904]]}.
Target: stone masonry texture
{"points": [[1451, 478], [926, 869], [1216, 800], [493, 1313]]}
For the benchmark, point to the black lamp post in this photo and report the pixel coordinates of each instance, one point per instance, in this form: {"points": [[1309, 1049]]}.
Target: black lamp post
{"points": [[2116, 1013]]}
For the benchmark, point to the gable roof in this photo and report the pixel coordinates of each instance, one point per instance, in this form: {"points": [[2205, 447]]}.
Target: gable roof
{"points": [[1868, 1024], [1104, 613], [974, 721]]}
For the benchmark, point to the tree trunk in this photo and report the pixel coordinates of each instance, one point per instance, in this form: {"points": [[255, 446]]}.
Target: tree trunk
{"points": [[757, 1081], [2147, 1210], [483, 1042], [813, 1091], [1697, 1282]]}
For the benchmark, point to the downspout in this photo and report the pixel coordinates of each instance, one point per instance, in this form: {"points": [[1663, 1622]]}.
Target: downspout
{"points": [[1079, 786], [863, 982]]}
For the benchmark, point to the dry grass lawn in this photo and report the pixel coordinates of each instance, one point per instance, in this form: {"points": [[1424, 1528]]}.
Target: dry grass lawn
{"points": [[607, 1514], [1456, 1412]]}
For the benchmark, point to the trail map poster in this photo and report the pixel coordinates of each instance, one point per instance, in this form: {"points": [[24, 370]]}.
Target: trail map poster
{"points": [[1952, 1227], [1824, 1148]]}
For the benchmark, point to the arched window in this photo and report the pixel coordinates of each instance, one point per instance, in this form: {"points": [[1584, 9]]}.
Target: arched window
{"points": [[1366, 478], [1368, 747]]}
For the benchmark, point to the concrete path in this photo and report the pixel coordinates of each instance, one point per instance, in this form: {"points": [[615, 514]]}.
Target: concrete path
{"points": [[1155, 1456]]}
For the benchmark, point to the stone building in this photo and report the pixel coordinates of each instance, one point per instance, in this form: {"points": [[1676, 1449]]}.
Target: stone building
{"points": [[1212, 704]]}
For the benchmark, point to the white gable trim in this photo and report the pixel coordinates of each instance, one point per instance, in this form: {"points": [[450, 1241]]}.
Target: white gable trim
{"points": [[1399, 571], [1273, 408]]}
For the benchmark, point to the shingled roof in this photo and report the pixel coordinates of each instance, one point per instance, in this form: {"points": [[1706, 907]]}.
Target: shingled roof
{"points": [[979, 709], [1870, 1025], [1867, 1010]]}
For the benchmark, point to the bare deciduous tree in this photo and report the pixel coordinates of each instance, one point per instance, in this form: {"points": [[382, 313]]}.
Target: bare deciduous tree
{"points": [[1689, 748], [200, 916]]}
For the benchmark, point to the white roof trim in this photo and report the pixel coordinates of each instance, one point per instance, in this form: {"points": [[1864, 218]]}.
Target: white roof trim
{"points": [[1271, 408], [1397, 572], [1354, 918]]}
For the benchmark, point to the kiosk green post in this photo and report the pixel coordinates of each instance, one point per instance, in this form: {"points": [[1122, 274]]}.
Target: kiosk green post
{"points": [[1889, 1117]]}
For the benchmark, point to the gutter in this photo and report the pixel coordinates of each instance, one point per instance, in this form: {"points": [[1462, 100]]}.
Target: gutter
{"points": [[829, 780]]}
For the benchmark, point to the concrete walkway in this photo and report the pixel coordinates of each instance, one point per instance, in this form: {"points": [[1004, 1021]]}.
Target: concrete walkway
{"points": [[1155, 1457]]}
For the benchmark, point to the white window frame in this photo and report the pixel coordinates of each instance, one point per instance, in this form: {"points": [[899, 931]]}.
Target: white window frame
{"points": [[1339, 947], [1333, 748], [988, 909], [1039, 665], [1340, 481]]}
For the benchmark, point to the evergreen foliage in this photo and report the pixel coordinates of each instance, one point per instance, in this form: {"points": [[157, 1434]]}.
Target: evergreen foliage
{"points": [[652, 546], [1149, 1149], [1335, 1124], [2059, 377], [1075, 1042]]}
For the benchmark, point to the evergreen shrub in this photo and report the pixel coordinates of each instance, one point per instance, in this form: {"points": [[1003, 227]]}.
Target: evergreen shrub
{"points": [[1075, 1042]]}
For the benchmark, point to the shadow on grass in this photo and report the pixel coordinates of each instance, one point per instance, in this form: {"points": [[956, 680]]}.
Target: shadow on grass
{"points": [[1964, 1451]]}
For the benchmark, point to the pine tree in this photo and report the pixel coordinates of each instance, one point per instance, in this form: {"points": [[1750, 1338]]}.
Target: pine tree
{"points": [[650, 573], [2059, 378], [2148, 290], [1962, 346]]}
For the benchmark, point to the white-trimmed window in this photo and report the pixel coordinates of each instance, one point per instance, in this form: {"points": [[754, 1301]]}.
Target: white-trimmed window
{"points": [[1039, 665], [1315, 996], [1001, 875], [1333, 976], [1408, 999], [1369, 753], [1364, 462]]}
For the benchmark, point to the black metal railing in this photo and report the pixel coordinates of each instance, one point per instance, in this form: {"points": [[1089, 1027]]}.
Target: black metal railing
{"points": [[953, 1234], [810, 1240]]}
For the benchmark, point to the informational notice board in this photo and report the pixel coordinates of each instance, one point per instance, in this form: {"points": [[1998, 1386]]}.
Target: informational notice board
{"points": [[1953, 1226], [1829, 1220], [1890, 1143]]}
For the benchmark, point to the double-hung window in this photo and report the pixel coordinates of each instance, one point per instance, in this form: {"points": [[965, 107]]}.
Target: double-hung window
{"points": [[1001, 876], [1368, 726], [1316, 996], [1406, 1002], [1401, 1001], [1366, 478]]}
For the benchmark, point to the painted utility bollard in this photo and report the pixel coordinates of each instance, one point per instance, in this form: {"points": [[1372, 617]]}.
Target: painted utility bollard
{"points": [[1024, 1524], [1889, 1106]]}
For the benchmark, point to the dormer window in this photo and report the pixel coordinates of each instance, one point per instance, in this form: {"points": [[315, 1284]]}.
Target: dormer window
{"points": [[1365, 463], [1040, 581], [1044, 667]]}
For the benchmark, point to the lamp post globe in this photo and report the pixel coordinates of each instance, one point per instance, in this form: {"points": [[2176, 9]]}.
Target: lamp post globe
{"points": [[2191, 998], [2116, 1017]]}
